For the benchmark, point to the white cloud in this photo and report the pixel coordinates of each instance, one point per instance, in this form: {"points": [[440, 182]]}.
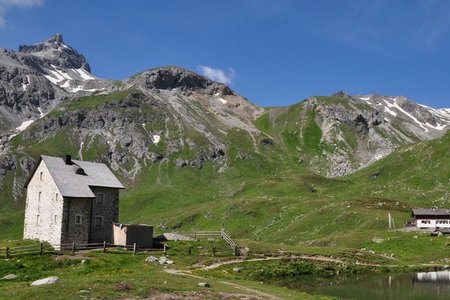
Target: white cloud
{"points": [[219, 75], [6, 5]]}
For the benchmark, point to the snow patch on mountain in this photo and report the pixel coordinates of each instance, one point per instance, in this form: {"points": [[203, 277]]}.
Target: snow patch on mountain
{"points": [[386, 109], [25, 85], [84, 74], [24, 125], [72, 80], [156, 138]]}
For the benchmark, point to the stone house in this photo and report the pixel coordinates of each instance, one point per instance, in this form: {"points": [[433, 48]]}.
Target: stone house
{"points": [[71, 201]]}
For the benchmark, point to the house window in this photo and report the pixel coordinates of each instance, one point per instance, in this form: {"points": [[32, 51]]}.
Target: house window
{"points": [[40, 175], [56, 197], [39, 196], [100, 199], [78, 219], [37, 219], [55, 220], [98, 221]]}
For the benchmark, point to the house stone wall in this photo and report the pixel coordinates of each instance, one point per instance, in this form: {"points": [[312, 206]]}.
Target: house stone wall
{"points": [[109, 210], [44, 213], [72, 232]]}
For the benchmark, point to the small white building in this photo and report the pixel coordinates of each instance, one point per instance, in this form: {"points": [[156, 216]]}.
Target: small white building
{"points": [[71, 201], [431, 218]]}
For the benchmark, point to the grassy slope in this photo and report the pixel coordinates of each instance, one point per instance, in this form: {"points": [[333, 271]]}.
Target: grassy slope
{"points": [[270, 198], [118, 275]]}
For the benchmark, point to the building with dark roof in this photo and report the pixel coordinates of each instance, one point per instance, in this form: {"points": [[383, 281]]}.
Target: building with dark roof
{"points": [[431, 218], [71, 201]]}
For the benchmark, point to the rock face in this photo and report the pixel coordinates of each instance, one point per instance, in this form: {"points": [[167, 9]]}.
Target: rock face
{"points": [[36, 78], [355, 131], [178, 118]]}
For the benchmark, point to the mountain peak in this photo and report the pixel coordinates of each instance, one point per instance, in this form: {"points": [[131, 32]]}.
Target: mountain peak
{"points": [[340, 94], [56, 38], [53, 52], [172, 77]]}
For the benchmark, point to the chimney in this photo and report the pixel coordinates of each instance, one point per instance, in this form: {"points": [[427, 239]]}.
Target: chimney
{"points": [[68, 159]]}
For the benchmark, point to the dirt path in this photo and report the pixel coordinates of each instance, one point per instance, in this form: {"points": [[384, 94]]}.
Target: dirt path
{"points": [[235, 285], [316, 258], [250, 290]]}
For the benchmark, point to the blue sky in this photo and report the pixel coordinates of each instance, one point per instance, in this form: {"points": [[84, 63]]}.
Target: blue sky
{"points": [[274, 52]]}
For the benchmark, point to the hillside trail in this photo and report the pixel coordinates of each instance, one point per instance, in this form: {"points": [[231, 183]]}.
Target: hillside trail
{"points": [[235, 285], [307, 257], [250, 290]]}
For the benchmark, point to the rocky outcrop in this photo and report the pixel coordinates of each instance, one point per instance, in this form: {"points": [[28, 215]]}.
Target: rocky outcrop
{"points": [[36, 78], [168, 78], [50, 53]]}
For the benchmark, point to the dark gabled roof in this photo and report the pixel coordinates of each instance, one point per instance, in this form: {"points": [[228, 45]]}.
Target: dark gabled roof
{"points": [[75, 179], [431, 212]]}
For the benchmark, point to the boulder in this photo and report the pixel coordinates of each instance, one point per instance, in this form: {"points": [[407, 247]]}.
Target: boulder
{"points": [[48, 280], [151, 259], [204, 284], [10, 277], [162, 260]]}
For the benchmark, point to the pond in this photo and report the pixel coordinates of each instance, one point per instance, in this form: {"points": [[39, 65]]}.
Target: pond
{"points": [[421, 285]]}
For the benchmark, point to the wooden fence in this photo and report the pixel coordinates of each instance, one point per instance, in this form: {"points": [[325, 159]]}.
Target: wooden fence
{"points": [[222, 234], [41, 248], [34, 249]]}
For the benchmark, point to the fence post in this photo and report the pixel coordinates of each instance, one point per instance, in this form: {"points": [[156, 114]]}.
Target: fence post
{"points": [[165, 249], [190, 250], [134, 249], [104, 246], [73, 247], [214, 250], [7, 252], [41, 248]]}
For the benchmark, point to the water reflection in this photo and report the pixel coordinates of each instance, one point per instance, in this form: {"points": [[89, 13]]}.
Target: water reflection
{"points": [[432, 277], [421, 285]]}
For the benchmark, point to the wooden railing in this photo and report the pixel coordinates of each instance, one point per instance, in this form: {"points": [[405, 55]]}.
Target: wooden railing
{"points": [[231, 243], [41, 248], [207, 233], [33, 249], [73, 247], [223, 235]]}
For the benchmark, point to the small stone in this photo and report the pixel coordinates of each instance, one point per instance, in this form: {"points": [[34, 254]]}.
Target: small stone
{"points": [[48, 280], [10, 277], [169, 262], [237, 270], [83, 261], [204, 284], [151, 259], [162, 260]]}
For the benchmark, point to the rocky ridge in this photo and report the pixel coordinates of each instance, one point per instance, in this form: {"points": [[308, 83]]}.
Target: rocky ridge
{"points": [[174, 116], [36, 78]]}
